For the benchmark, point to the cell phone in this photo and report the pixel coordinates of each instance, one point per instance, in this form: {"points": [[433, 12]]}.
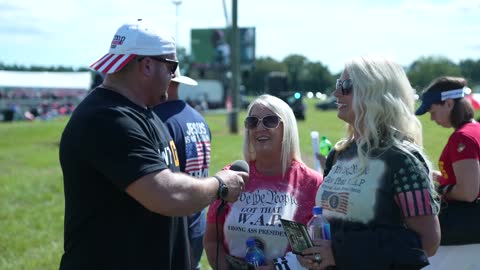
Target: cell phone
{"points": [[297, 236]]}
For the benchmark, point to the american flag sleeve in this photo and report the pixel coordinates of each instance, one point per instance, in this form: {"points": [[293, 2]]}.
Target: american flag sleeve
{"points": [[412, 188]]}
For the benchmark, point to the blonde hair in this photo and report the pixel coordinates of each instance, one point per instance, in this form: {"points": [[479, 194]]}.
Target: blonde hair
{"points": [[383, 103], [290, 140]]}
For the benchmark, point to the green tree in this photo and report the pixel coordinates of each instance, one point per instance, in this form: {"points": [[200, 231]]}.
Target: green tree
{"points": [[295, 64], [424, 70], [471, 70], [316, 77], [255, 83]]}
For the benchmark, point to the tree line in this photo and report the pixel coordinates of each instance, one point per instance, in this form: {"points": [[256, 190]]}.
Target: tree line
{"points": [[305, 75]]}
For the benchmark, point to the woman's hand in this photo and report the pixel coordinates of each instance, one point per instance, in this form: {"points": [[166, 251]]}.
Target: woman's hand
{"points": [[317, 257], [436, 176], [322, 159]]}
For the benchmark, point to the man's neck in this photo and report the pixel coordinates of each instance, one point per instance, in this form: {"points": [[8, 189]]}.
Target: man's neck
{"points": [[125, 89], [172, 97]]}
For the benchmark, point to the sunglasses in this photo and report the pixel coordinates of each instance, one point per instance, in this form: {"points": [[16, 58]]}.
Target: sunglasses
{"points": [[346, 86], [270, 121], [172, 64]]}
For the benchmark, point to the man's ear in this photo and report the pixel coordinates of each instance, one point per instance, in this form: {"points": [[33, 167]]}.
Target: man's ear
{"points": [[146, 66]]}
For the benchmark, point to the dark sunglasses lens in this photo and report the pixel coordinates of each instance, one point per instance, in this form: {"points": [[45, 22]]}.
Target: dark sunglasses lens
{"points": [[347, 87], [271, 121], [251, 122], [174, 67]]}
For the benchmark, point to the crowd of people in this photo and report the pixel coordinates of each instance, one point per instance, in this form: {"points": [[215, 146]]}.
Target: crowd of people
{"points": [[135, 161], [29, 104]]}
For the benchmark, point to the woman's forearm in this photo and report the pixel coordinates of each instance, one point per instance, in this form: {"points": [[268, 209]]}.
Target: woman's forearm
{"points": [[210, 244]]}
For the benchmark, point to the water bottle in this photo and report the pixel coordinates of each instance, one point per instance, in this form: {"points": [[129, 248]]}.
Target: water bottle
{"points": [[318, 227], [254, 255], [325, 146]]}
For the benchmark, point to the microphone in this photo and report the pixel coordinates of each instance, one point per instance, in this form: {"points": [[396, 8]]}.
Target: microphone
{"points": [[240, 166]]}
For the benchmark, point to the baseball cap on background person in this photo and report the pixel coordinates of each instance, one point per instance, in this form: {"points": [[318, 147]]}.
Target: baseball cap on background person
{"points": [[179, 78], [131, 39], [435, 97]]}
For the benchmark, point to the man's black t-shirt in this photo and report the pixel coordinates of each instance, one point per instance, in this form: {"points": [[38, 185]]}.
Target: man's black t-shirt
{"points": [[109, 143]]}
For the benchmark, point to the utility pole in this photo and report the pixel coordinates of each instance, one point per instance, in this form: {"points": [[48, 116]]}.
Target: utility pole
{"points": [[177, 5], [235, 63]]}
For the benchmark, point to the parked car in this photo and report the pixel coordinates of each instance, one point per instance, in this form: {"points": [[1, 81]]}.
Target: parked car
{"points": [[295, 101], [277, 85], [329, 104]]}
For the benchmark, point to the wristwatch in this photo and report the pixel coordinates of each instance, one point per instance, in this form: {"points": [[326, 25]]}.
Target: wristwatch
{"points": [[222, 188]]}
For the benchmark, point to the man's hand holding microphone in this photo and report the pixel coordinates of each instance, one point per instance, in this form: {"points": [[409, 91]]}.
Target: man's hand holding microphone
{"points": [[231, 182]]}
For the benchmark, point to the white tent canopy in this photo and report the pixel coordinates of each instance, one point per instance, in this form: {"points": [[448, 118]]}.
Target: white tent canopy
{"points": [[45, 80]]}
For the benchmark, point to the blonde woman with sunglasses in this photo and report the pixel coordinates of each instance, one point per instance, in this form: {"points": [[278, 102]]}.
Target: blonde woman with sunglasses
{"points": [[280, 186], [377, 193]]}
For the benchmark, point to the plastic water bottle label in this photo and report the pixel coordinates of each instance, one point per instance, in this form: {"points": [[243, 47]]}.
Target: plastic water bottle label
{"points": [[315, 232], [327, 235]]}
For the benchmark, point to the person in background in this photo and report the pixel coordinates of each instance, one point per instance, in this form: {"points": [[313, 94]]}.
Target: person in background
{"points": [[124, 196], [192, 138], [280, 186], [377, 192], [459, 176], [96, 80]]}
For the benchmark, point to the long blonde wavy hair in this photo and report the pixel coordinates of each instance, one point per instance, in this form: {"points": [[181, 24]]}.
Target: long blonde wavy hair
{"points": [[383, 103]]}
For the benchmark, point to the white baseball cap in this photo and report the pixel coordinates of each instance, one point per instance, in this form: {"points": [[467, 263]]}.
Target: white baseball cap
{"points": [[183, 79], [133, 39]]}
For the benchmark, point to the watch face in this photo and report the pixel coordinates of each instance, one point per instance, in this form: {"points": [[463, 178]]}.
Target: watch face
{"points": [[223, 191]]}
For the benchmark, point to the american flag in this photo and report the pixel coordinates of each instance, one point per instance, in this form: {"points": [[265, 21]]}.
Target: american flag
{"points": [[335, 201], [414, 202], [198, 156]]}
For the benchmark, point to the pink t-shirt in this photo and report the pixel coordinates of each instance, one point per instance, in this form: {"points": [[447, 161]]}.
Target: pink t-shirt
{"points": [[263, 202], [464, 143]]}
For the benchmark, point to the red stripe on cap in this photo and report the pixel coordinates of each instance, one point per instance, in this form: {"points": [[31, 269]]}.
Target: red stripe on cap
{"points": [[108, 68], [111, 63], [99, 63], [125, 61]]}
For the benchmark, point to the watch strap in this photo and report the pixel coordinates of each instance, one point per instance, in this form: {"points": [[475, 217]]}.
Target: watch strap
{"points": [[220, 185]]}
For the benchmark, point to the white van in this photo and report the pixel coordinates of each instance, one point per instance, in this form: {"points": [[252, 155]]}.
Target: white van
{"points": [[207, 93]]}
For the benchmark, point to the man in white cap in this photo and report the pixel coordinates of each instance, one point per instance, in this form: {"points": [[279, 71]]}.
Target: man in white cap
{"points": [[123, 195], [192, 138]]}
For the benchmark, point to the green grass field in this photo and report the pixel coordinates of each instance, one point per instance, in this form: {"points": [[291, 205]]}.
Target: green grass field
{"points": [[31, 188]]}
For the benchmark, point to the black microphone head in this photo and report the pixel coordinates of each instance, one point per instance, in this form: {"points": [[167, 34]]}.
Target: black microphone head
{"points": [[240, 166]]}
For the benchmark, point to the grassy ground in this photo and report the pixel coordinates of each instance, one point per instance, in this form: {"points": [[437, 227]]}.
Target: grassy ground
{"points": [[31, 189]]}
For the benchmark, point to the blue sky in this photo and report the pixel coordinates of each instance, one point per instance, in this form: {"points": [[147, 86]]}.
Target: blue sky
{"points": [[77, 32]]}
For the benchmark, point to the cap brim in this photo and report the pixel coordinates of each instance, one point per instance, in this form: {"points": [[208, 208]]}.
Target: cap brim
{"points": [[422, 109], [111, 63], [185, 80]]}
